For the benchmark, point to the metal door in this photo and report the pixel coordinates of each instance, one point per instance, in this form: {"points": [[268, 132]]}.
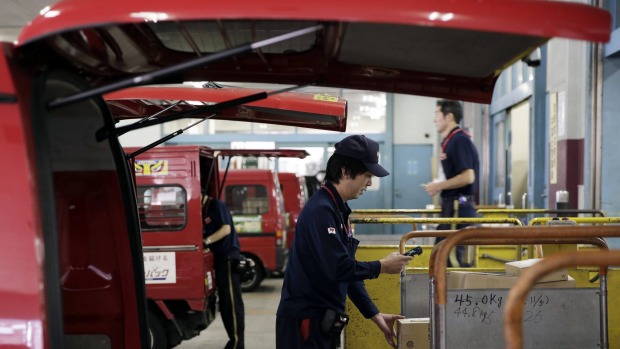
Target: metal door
{"points": [[412, 167]]}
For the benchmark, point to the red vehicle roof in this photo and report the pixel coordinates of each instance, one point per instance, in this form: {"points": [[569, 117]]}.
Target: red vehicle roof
{"points": [[440, 48], [272, 153], [290, 108], [210, 152]]}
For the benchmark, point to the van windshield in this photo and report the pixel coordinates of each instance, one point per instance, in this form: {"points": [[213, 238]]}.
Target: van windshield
{"points": [[162, 207], [247, 199]]}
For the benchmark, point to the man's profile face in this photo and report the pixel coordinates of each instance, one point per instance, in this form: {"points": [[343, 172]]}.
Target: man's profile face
{"points": [[440, 120], [358, 185]]}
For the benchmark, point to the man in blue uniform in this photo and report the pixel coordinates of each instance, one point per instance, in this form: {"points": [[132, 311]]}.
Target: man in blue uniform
{"points": [[459, 161], [221, 238], [322, 269]]}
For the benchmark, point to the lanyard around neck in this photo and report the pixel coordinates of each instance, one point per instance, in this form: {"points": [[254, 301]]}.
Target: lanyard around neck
{"points": [[454, 131], [346, 226]]}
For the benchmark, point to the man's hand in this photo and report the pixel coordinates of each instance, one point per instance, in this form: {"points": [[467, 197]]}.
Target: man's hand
{"points": [[394, 263], [432, 188], [386, 323]]}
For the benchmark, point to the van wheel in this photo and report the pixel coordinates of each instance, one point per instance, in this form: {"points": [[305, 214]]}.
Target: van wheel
{"points": [[254, 282], [157, 332]]}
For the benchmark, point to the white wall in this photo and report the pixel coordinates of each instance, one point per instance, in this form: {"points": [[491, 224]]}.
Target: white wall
{"points": [[413, 120], [520, 151], [141, 137], [566, 75]]}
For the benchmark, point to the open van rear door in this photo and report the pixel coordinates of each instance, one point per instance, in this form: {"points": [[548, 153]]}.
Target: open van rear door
{"points": [[289, 108], [439, 48]]}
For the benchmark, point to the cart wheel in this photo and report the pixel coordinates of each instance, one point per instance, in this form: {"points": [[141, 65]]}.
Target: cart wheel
{"points": [[157, 332], [255, 281]]}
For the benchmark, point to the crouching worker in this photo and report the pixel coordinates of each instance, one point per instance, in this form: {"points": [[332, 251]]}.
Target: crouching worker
{"points": [[322, 269]]}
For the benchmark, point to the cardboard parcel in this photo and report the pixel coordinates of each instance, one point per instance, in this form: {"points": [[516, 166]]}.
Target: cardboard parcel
{"points": [[517, 267], [480, 280], [475, 280], [414, 333]]}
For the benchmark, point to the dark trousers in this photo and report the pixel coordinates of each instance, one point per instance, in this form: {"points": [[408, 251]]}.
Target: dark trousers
{"points": [[294, 333], [466, 209], [231, 304]]}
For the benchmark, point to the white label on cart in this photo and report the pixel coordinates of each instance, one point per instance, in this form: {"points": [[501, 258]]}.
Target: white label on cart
{"points": [[160, 268], [476, 317]]}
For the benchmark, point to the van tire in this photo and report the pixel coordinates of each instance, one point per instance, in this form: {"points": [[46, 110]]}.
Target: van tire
{"points": [[259, 275], [157, 332]]}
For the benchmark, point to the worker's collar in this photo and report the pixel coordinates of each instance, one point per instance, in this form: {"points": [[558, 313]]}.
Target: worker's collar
{"points": [[342, 206]]}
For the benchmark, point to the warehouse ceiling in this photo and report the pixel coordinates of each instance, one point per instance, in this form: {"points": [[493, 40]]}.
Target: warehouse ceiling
{"points": [[16, 13]]}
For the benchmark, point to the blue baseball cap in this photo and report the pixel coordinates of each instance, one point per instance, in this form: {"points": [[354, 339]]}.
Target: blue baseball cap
{"points": [[363, 149]]}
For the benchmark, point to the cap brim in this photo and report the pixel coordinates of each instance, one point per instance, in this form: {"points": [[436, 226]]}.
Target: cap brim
{"points": [[376, 169]]}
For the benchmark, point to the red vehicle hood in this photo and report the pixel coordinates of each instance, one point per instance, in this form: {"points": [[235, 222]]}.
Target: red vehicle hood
{"points": [[289, 108], [440, 48]]}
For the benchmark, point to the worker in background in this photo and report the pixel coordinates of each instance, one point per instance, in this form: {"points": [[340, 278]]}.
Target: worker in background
{"points": [[221, 238], [322, 270], [459, 161]]}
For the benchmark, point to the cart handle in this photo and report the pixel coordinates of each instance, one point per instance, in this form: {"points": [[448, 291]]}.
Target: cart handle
{"points": [[436, 220], [513, 313], [422, 234], [525, 211], [396, 211], [596, 241]]}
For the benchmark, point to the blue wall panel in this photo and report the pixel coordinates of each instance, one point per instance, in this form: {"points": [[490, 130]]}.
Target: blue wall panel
{"points": [[412, 167]]}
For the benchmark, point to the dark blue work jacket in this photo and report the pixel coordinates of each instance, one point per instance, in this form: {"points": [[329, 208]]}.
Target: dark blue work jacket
{"points": [[322, 269], [215, 216], [460, 155]]}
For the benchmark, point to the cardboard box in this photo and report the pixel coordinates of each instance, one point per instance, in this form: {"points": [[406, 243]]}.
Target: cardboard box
{"points": [[474, 280], [456, 279], [414, 333], [516, 268]]}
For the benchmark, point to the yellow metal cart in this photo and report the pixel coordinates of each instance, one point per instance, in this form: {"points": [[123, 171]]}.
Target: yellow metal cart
{"points": [[579, 299], [513, 315], [385, 291]]}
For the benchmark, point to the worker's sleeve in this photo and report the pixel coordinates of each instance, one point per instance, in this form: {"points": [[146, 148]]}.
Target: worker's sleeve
{"points": [[359, 296], [463, 157]]}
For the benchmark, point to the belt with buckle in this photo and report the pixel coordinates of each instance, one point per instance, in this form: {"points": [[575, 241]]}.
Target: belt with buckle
{"points": [[461, 198]]}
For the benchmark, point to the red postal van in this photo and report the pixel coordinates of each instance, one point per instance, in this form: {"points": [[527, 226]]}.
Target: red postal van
{"points": [[257, 207], [179, 271], [295, 195], [70, 224], [179, 275]]}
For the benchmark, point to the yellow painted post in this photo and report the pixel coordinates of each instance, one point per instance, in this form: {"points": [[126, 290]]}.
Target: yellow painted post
{"points": [[613, 307], [362, 333]]}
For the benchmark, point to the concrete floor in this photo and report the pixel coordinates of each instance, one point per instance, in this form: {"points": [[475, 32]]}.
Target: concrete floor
{"points": [[260, 321]]}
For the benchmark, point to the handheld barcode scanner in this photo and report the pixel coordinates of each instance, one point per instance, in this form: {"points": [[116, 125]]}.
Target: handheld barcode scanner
{"points": [[403, 284], [414, 251]]}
